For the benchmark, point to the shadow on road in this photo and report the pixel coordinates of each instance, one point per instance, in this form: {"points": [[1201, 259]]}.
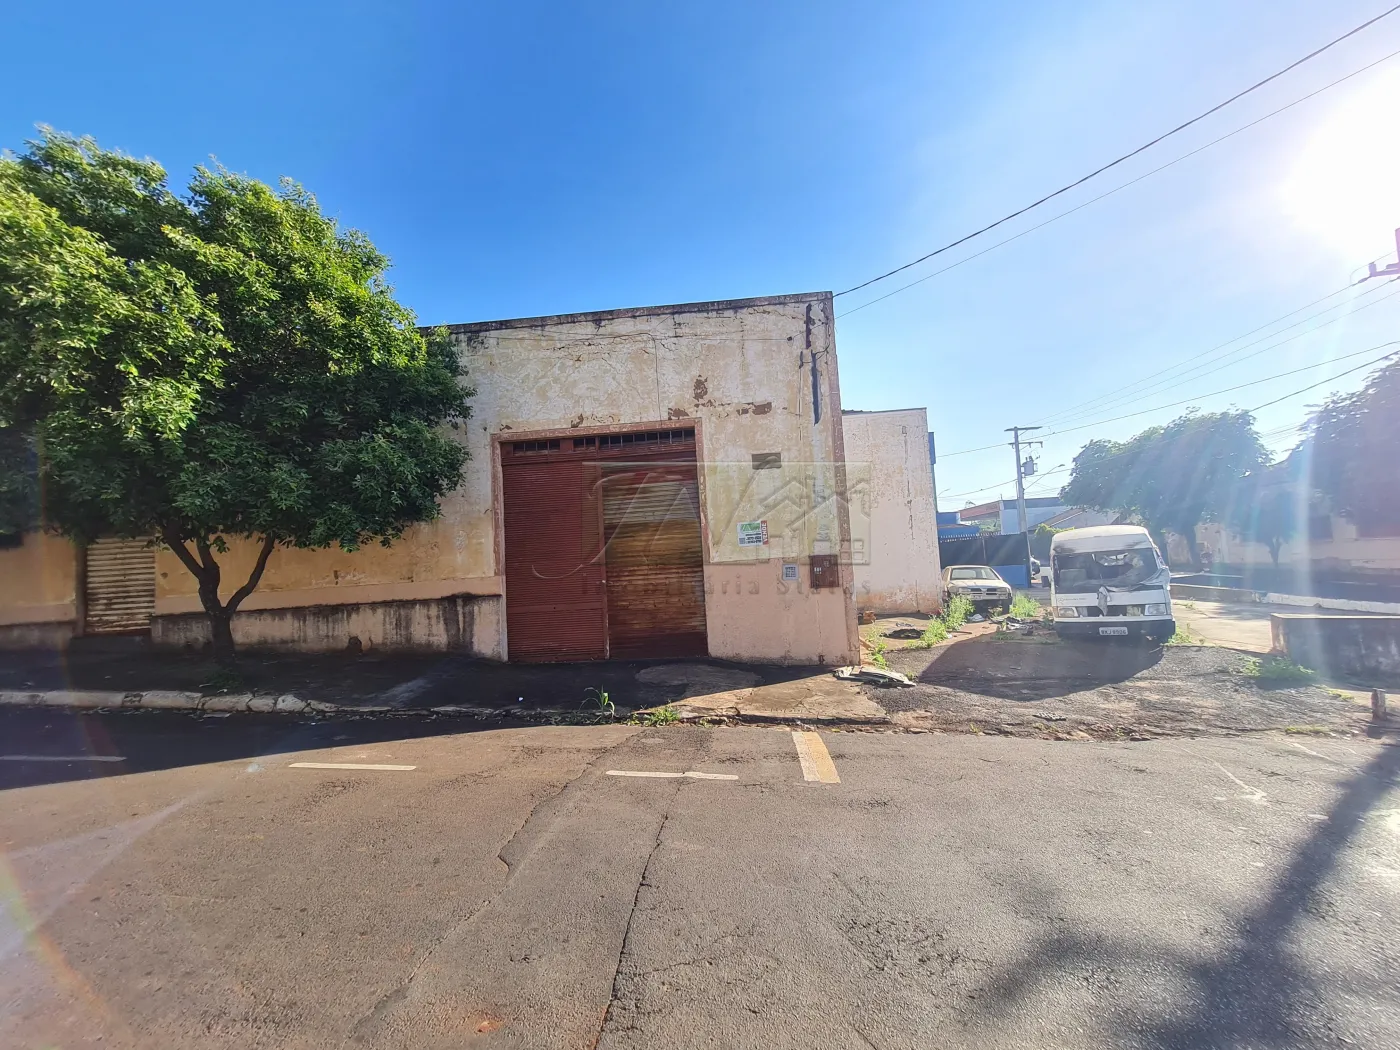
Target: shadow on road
{"points": [[34, 741], [404, 681], [1027, 670], [1257, 993]]}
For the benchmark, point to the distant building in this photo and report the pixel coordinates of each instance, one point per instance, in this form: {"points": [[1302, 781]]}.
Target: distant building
{"points": [[894, 534], [1004, 518]]}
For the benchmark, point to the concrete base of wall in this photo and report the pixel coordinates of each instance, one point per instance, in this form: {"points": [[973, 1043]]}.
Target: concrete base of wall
{"points": [[461, 624], [1358, 647], [36, 635]]}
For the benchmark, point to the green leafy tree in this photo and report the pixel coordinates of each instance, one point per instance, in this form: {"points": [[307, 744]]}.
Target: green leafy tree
{"points": [[226, 363], [1172, 477], [1269, 507], [19, 482], [1353, 451]]}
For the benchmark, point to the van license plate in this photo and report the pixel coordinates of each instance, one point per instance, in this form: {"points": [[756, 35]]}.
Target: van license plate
{"points": [[1116, 631]]}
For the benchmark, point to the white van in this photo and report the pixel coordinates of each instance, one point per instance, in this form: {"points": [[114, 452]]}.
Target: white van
{"points": [[1110, 581]]}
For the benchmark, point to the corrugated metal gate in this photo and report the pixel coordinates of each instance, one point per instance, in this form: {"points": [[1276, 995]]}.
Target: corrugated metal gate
{"points": [[602, 547], [656, 582], [120, 586]]}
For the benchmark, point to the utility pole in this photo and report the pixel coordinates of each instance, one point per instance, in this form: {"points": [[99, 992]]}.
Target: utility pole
{"points": [[1391, 269], [1015, 433]]}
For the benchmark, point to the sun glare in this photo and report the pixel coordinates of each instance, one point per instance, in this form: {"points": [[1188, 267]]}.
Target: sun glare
{"points": [[1344, 186]]}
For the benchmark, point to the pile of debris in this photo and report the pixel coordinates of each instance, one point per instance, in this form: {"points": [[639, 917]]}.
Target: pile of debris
{"points": [[872, 676]]}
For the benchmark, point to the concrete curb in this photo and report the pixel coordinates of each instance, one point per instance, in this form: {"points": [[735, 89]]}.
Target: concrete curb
{"points": [[290, 704], [1236, 594], [171, 700]]}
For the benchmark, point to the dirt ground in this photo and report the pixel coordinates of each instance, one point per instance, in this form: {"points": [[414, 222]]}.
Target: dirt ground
{"points": [[1044, 687]]}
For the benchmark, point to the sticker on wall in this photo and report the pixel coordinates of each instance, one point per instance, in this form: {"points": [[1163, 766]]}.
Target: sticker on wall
{"points": [[753, 533], [790, 572]]}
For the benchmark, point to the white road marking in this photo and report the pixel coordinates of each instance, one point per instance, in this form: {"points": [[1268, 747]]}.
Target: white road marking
{"points": [[349, 765], [1252, 794], [1308, 750], [815, 758], [671, 776], [62, 758]]}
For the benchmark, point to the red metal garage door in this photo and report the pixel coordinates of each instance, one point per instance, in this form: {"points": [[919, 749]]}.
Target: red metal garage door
{"points": [[555, 600], [602, 547]]}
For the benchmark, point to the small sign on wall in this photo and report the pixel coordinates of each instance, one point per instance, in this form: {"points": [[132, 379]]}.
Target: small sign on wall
{"points": [[790, 573], [753, 534]]}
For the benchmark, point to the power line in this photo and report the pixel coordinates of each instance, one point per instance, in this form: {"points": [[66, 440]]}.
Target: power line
{"points": [[1324, 382], [1256, 408], [1127, 156], [1116, 189], [1228, 389], [1184, 378], [1110, 396]]}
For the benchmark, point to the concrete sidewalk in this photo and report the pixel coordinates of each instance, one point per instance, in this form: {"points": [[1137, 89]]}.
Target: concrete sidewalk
{"points": [[296, 684], [1243, 626]]}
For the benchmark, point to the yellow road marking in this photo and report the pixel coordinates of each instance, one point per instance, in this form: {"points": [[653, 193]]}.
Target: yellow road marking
{"points": [[815, 758], [347, 765]]}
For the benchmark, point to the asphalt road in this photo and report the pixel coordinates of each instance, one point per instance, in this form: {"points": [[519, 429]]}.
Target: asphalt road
{"points": [[949, 891]]}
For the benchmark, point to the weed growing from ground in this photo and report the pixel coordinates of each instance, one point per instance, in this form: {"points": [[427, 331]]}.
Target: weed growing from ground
{"points": [[956, 610], [602, 701], [1277, 670], [664, 715], [1024, 607], [935, 632]]}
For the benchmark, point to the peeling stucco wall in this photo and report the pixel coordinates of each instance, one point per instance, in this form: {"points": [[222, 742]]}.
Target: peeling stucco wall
{"points": [[447, 624], [740, 371], [38, 581], [894, 532]]}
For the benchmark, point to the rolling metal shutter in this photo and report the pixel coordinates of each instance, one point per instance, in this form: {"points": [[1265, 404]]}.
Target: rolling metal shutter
{"points": [[120, 590], [555, 600], [656, 584], [570, 595]]}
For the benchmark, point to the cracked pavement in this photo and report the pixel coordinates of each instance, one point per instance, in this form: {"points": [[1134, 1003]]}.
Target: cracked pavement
{"points": [[952, 891]]}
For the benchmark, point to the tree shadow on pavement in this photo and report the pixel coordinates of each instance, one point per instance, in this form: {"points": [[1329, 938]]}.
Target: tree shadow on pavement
{"points": [[1027, 670], [1258, 992], [56, 745]]}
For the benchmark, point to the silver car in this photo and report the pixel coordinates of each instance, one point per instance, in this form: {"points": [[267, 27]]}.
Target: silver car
{"points": [[979, 584]]}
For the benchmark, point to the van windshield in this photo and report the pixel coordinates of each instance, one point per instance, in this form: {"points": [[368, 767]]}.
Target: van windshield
{"points": [[1090, 571]]}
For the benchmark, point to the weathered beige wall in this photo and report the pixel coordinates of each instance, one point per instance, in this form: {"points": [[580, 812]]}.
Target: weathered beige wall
{"points": [[452, 624], [38, 581], [741, 371], [894, 531], [1344, 552]]}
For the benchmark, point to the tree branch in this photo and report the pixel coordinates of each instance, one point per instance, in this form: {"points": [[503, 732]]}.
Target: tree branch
{"points": [[206, 556], [183, 553], [253, 578]]}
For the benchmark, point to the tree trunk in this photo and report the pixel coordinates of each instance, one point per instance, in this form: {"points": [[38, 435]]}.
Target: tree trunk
{"points": [[1275, 549], [206, 571], [1190, 537], [221, 633], [1160, 538]]}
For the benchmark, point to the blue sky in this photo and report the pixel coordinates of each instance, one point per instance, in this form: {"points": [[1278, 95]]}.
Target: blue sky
{"points": [[532, 158]]}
